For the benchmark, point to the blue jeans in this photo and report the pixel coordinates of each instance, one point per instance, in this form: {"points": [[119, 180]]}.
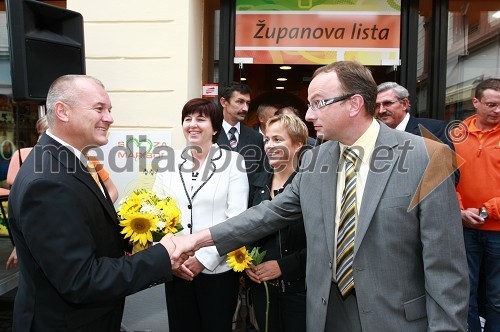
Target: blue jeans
{"points": [[483, 247]]}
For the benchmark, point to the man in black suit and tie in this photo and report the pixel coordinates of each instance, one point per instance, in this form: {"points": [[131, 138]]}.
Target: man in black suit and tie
{"points": [[393, 109], [73, 272], [235, 99]]}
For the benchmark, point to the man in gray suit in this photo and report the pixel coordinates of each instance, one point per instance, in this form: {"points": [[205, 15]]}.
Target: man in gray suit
{"points": [[406, 270]]}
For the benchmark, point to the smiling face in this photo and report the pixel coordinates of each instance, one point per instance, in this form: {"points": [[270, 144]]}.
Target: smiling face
{"points": [[280, 147], [89, 117], [198, 129]]}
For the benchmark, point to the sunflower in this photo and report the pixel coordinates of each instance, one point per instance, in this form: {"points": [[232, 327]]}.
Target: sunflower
{"points": [[130, 205], [138, 226], [239, 259]]}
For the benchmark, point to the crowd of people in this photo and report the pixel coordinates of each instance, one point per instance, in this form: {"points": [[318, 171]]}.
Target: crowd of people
{"points": [[371, 230]]}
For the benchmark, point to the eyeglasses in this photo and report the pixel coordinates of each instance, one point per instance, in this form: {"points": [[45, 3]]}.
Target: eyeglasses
{"points": [[490, 106], [316, 105], [386, 103]]}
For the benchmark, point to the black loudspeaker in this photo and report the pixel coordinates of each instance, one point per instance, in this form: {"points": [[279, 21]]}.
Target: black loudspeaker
{"points": [[45, 42]]}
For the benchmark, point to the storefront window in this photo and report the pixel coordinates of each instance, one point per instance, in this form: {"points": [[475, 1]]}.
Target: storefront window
{"points": [[473, 52]]}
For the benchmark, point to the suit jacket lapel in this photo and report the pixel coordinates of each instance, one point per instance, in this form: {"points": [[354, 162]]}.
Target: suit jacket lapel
{"points": [[222, 139], [412, 126], [75, 168], [329, 194], [376, 182], [243, 139]]}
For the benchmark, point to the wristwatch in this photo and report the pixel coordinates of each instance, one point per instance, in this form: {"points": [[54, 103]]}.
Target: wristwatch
{"points": [[483, 213]]}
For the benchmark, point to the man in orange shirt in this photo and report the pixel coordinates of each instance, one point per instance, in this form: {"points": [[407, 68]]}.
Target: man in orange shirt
{"points": [[479, 195]]}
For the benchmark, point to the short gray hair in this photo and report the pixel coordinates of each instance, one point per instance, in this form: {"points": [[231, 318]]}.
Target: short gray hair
{"points": [[64, 89], [400, 91]]}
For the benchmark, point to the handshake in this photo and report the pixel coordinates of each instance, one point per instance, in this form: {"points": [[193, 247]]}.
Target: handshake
{"points": [[181, 250]]}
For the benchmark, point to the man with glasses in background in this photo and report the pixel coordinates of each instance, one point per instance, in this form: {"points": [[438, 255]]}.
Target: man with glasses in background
{"points": [[479, 196], [393, 109]]}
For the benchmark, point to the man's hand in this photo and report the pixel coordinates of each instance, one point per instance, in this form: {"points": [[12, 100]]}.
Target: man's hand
{"points": [[188, 244], [12, 260], [169, 244], [471, 218]]}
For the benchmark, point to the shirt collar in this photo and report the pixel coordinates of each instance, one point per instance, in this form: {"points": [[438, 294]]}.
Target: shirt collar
{"points": [[474, 128], [402, 125], [227, 126], [366, 143], [75, 151]]}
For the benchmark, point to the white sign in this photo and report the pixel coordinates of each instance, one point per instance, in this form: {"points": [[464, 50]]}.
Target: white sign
{"points": [[130, 158], [210, 90]]}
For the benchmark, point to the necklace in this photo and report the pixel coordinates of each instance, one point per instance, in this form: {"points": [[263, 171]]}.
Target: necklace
{"points": [[191, 198]]}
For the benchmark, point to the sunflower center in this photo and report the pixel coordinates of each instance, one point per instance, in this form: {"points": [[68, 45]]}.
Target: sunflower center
{"points": [[140, 225], [240, 258]]}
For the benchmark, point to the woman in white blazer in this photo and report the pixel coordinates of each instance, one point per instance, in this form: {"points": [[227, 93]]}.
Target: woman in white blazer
{"points": [[210, 185]]}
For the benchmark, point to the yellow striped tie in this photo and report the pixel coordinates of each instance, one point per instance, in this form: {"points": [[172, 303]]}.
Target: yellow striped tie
{"points": [[347, 226]]}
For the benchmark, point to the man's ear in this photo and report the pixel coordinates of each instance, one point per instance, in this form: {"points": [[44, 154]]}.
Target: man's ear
{"points": [[406, 103], [356, 103], [475, 102], [61, 110], [223, 101]]}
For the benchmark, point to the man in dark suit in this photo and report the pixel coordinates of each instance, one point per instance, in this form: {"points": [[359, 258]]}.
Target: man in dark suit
{"points": [[385, 248], [73, 272], [393, 109], [235, 99]]}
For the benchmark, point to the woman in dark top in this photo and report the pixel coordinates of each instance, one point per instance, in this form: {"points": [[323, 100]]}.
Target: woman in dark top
{"points": [[284, 266]]}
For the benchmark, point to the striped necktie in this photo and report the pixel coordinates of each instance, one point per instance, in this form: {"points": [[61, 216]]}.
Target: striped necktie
{"points": [[347, 226], [233, 142]]}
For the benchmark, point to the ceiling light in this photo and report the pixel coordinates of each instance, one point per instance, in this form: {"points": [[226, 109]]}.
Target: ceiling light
{"points": [[280, 88], [496, 14], [285, 67], [243, 79], [282, 79]]}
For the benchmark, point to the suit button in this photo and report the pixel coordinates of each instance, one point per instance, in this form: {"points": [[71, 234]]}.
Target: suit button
{"points": [[323, 300]]}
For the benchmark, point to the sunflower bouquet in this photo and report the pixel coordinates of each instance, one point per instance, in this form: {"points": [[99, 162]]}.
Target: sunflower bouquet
{"points": [[146, 217]]}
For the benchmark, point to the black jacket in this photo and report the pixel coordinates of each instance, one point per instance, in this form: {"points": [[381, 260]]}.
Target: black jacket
{"points": [[288, 245]]}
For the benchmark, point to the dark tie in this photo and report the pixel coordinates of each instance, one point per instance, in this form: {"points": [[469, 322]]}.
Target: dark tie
{"points": [[233, 142], [347, 226]]}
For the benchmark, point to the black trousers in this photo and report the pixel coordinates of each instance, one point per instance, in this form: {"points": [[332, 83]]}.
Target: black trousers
{"points": [[287, 311], [206, 304]]}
